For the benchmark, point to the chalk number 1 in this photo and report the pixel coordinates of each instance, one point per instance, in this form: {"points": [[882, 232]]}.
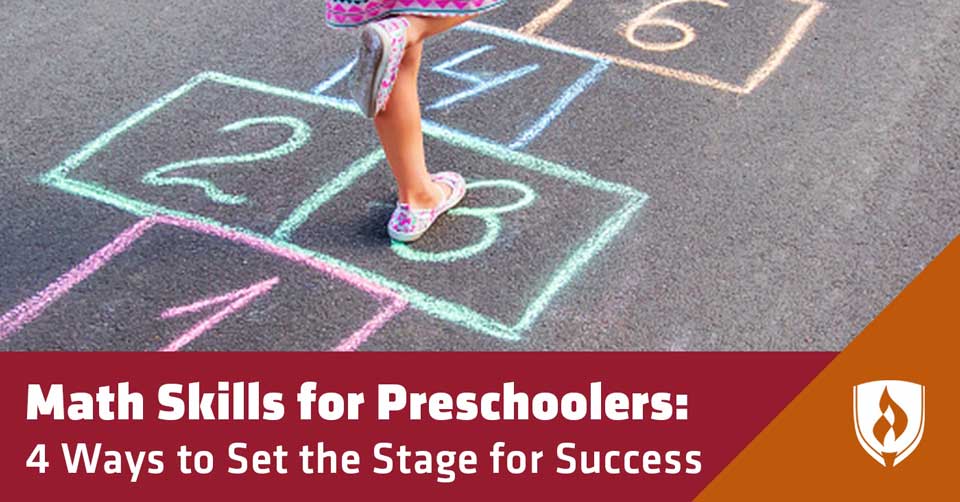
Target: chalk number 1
{"points": [[38, 459]]}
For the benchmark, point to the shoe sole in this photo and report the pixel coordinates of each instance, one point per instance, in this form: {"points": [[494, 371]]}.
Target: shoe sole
{"points": [[374, 45], [407, 238]]}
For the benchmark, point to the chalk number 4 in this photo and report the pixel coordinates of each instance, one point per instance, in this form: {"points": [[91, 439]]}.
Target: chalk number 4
{"points": [[38, 459]]}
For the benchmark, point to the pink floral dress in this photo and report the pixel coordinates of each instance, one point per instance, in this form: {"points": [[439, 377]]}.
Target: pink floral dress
{"points": [[353, 13]]}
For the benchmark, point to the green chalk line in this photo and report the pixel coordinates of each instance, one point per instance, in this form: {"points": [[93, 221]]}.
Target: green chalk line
{"points": [[90, 149], [437, 307], [529, 196], [575, 263], [343, 181]]}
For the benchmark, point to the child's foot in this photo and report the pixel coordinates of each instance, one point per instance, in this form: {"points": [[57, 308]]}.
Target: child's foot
{"points": [[381, 49], [409, 224]]}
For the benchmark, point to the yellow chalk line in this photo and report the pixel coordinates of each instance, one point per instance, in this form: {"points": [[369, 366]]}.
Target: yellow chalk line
{"points": [[545, 18], [794, 36], [687, 76]]}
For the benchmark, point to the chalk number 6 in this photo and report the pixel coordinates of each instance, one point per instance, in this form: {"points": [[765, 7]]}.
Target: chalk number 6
{"points": [[650, 18]]}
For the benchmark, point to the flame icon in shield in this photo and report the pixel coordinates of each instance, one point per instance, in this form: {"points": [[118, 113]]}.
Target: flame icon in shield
{"points": [[889, 417]]}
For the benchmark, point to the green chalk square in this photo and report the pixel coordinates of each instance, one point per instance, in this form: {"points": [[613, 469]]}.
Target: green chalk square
{"points": [[250, 177], [590, 245], [493, 253]]}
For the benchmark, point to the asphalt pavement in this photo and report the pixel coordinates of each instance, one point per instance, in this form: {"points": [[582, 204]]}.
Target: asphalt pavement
{"points": [[189, 175]]}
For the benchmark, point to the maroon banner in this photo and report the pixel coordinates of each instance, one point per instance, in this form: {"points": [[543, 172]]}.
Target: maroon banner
{"points": [[249, 426]]}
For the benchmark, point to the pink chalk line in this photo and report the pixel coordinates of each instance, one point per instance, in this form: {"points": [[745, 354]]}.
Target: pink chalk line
{"points": [[32, 308], [238, 300], [354, 341], [26, 312]]}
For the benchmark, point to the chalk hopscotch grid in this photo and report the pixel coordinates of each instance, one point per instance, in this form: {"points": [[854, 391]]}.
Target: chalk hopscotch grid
{"points": [[437, 307], [540, 124], [440, 308], [23, 314]]}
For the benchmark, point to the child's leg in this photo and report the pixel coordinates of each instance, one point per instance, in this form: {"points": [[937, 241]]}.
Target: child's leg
{"points": [[401, 135], [399, 125]]}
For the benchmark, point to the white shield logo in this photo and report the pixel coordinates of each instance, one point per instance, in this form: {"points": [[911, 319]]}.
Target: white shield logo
{"points": [[889, 417]]}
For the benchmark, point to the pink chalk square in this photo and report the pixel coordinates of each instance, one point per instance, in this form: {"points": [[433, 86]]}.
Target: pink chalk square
{"points": [[203, 314]]}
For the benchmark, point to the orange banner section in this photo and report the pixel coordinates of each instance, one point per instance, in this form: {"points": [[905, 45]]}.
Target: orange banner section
{"points": [[880, 423]]}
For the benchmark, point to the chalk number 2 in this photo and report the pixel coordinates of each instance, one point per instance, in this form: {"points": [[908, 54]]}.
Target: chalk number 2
{"points": [[299, 136], [650, 18], [38, 459]]}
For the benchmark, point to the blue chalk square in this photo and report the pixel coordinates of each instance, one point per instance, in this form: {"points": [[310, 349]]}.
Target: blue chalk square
{"points": [[493, 80]]}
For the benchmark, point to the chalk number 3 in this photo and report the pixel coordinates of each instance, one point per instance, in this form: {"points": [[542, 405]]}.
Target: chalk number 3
{"points": [[650, 18], [490, 216]]}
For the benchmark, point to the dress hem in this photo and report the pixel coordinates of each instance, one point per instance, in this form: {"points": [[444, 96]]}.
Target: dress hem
{"points": [[399, 11]]}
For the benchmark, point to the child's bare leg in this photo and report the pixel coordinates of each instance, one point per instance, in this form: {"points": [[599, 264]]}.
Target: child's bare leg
{"points": [[401, 133]]}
